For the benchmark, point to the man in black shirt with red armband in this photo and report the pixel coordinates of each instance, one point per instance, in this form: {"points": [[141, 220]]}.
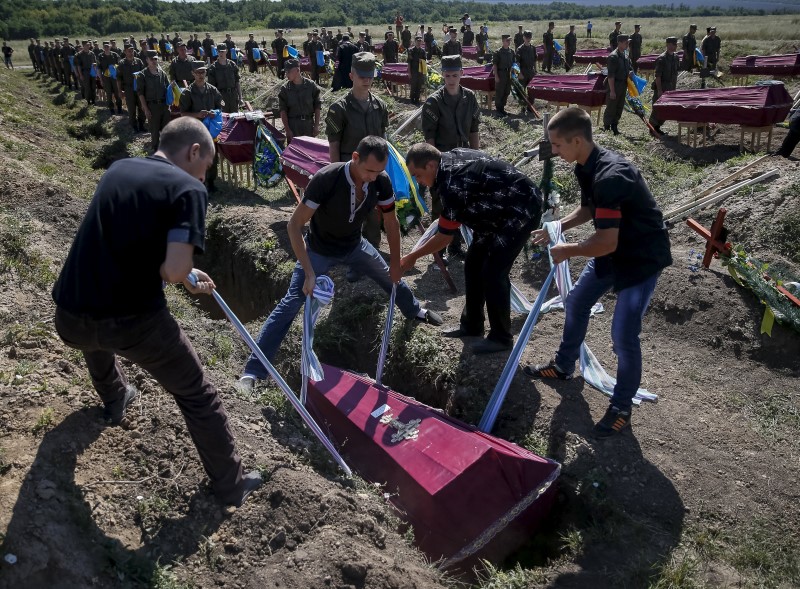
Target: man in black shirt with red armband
{"points": [[628, 249], [142, 228]]}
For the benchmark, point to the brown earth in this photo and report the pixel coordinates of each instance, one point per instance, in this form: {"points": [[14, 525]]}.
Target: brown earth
{"points": [[714, 459]]}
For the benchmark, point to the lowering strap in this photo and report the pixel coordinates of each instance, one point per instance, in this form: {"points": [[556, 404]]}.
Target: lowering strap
{"points": [[310, 365], [387, 333]]}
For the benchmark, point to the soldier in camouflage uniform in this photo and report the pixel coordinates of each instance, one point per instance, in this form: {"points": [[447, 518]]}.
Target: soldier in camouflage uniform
{"points": [[198, 101], [570, 46], [502, 62], [223, 74], [181, 67], [416, 59], [126, 70], [619, 70], [635, 47], [453, 45], [689, 45], [107, 60], [666, 76], [152, 90], [84, 61], [526, 58], [549, 48], [299, 103], [612, 37]]}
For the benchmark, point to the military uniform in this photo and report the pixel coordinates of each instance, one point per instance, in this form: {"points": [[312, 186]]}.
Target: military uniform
{"points": [[667, 67], [405, 37], [348, 121], [635, 50], [449, 120], [612, 38], [300, 102], [195, 99], [710, 48], [519, 39], [416, 58], [503, 60], [278, 45], [570, 46], [180, 70], [689, 45], [619, 68], [468, 39], [314, 47], [526, 58], [153, 88], [549, 47], [248, 48], [427, 40], [390, 50], [68, 51], [109, 84], [84, 60], [452, 47], [225, 78], [480, 40], [125, 79], [208, 48]]}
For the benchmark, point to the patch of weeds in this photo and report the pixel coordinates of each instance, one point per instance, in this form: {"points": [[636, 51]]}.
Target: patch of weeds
{"points": [[343, 327], [25, 367], [571, 542], [44, 422], [17, 256], [767, 551], [786, 234], [773, 414], [272, 396], [536, 442], [19, 332], [117, 473], [207, 552], [679, 572], [164, 578], [416, 356], [492, 577], [149, 513], [222, 349]]}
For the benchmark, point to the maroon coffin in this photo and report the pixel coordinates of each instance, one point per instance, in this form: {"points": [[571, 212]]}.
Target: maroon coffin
{"points": [[304, 157], [396, 73], [766, 65], [478, 77], [647, 62], [468, 495], [592, 56], [469, 52], [585, 90], [236, 139], [752, 106]]}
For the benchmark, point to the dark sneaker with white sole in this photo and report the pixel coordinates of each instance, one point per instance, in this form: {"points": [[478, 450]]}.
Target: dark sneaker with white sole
{"points": [[614, 421], [430, 317], [114, 412], [544, 371]]}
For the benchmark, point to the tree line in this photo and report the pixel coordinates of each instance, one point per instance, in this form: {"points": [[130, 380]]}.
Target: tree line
{"points": [[21, 19]]}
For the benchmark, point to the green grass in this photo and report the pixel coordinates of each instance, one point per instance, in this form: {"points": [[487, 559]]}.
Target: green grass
{"points": [[45, 421], [493, 577], [164, 578], [19, 257]]}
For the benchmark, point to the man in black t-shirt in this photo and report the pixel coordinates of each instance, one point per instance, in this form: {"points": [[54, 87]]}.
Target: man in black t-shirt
{"points": [[336, 202], [628, 249], [143, 226]]}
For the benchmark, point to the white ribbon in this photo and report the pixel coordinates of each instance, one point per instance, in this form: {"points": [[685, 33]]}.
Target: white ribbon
{"points": [[310, 365]]}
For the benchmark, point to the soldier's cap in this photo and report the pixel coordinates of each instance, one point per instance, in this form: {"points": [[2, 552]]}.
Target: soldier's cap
{"points": [[673, 40], [451, 63], [362, 34], [637, 26], [708, 30], [364, 64], [113, 40], [452, 31], [280, 31], [152, 54], [527, 34], [290, 64], [315, 32], [106, 44], [127, 46], [571, 26], [617, 22], [222, 47], [199, 66], [418, 38], [390, 33], [692, 26], [714, 29], [345, 37], [622, 38], [65, 38], [519, 26], [505, 37], [180, 44], [251, 34]]}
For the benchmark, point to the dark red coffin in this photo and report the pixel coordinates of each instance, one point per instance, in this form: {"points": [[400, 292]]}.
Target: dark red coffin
{"points": [[397, 73], [470, 52], [585, 90], [592, 56], [377, 48], [753, 106], [305, 64], [304, 157], [478, 77], [648, 62], [767, 65], [468, 495], [236, 140]]}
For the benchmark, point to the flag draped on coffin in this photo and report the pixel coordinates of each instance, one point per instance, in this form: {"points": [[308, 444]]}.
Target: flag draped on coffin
{"points": [[406, 190]]}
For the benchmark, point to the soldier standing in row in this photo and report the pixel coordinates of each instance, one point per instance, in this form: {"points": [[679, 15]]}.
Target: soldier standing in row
{"points": [[429, 40], [125, 78], [526, 58], [198, 101], [469, 37], [519, 37], [278, 45], [417, 69], [390, 49], [405, 38], [453, 45], [107, 60], [665, 77], [570, 47], [689, 44], [362, 44], [710, 48], [152, 90], [635, 47], [619, 70], [84, 61], [481, 38], [208, 48], [223, 75], [142, 55], [502, 62], [299, 103], [549, 48], [32, 55], [248, 49], [315, 50], [67, 52], [612, 37], [347, 51], [181, 68], [350, 119]]}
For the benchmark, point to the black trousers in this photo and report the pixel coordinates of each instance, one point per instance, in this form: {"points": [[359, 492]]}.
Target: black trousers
{"points": [[156, 342], [486, 269], [792, 138]]}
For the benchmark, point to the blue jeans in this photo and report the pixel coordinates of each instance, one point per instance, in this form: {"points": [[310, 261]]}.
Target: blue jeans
{"points": [[363, 259], [632, 303]]}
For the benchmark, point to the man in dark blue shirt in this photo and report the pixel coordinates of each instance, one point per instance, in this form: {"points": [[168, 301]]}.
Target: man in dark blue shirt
{"points": [[628, 250], [502, 206], [142, 228], [336, 202]]}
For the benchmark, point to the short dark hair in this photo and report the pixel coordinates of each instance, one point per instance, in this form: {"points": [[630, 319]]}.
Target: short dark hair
{"points": [[372, 145], [571, 122], [421, 153], [183, 132]]}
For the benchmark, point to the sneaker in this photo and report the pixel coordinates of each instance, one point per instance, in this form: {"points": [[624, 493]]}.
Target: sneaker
{"points": [[549, 370], [114, 412], [430, 317], [489, 346], [245, 385], [613, 422]]}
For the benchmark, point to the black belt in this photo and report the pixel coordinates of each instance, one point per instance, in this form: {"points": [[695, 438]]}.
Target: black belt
{"points": [[226, 89], [301, 117], [156, 102]]}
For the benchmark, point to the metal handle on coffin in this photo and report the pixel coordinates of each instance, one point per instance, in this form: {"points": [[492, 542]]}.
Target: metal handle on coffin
{"points": [[304, 414]]}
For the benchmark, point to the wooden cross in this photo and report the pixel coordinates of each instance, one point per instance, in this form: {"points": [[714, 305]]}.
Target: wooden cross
{"points": [[715, 237]]}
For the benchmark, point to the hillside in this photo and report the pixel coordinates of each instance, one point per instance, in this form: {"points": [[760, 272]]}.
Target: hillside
{"points": [[702, 492]]}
